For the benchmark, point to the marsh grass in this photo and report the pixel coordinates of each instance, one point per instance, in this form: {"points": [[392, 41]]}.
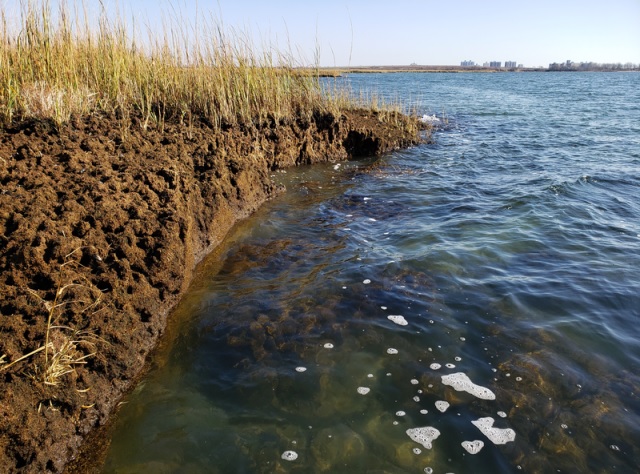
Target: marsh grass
{"points": [[65, 348], [57, 63]]}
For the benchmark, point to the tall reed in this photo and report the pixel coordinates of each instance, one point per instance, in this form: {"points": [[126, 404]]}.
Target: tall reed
{"points": [[56, 63]]}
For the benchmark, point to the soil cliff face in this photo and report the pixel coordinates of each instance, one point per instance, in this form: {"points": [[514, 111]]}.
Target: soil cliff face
{"points": [[99, 236]]}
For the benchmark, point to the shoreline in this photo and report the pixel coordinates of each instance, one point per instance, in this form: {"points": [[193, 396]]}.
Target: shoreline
{"points": [[102, 234], [340, 71]]}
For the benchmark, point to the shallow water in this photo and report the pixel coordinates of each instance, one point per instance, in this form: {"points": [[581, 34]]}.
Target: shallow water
{"points": [[511, 249]]}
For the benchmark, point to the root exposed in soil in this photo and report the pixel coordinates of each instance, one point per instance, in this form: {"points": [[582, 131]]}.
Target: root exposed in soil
{"points": [[136, 215]]}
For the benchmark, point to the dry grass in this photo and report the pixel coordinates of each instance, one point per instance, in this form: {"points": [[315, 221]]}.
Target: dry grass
{"points": [[64, 348], [56, 63]]}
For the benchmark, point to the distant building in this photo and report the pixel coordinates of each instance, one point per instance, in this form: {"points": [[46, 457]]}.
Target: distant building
{"points": [[511, 64], [495, 64], [467, 63]]}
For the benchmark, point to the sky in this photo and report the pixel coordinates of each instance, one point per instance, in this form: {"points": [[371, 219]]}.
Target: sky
{"points": [[426, 32]]}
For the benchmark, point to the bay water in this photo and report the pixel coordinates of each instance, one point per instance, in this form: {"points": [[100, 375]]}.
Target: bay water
{"points": [[466, 306]]}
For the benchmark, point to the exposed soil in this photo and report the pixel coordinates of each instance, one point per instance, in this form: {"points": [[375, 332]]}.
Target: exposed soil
{"points": [[123, 221]]}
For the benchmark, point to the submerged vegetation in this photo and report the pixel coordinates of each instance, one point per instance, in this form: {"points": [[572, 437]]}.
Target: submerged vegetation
{"points": [[57, 63]]}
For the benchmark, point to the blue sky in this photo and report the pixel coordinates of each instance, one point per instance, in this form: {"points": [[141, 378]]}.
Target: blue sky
{"points": [[399, 32]]}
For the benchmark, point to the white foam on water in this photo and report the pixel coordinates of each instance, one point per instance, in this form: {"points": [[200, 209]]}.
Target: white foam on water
{"points": [[461, 383], [424, 435], [383, 308], [416, 399], [417, 450], [370, 376], [392, 351], [502, 414], [367, 198], [301, 369], [518, 379], [328, 345], [289, 456], [398, 319], [463, 339], [450, 366], [458, 359], [400, 413], [429, 119], [363, 390], [473, 447], [424, 412], [395, 423], [435, 366], [495, 435], [428, 470], [442, 406], [336, 167], [414, 382], [366, 281]]}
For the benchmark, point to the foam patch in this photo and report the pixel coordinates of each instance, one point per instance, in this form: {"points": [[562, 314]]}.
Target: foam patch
{"points": [[473, 447], [461, 383], [424, 435], [289, 456], [495, 435], [398, 319]]}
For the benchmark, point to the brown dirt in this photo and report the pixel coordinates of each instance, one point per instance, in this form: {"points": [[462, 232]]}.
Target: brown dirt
{"points": [[130, 219]]}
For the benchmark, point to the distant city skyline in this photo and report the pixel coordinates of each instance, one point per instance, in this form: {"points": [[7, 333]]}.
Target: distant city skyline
{"points": [[426, 32], [506, 64]]}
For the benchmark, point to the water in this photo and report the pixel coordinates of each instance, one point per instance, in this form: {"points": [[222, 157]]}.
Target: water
{"points": [[511, 249]]}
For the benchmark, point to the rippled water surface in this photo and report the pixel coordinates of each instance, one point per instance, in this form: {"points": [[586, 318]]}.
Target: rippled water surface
{"points": [[470, 306]]}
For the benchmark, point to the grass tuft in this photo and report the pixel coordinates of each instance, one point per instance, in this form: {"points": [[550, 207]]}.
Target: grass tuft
{"points": [[67, 349], [64, 348]]}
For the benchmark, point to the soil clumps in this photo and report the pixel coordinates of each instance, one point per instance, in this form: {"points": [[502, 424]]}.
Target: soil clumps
{"points": [[100, 231]]}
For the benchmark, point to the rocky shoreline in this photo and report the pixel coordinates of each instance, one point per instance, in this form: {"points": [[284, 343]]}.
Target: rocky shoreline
{"points": [[101, 230]]}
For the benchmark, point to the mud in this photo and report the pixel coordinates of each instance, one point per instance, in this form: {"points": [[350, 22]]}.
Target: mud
{"points": [[100, 231]]}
